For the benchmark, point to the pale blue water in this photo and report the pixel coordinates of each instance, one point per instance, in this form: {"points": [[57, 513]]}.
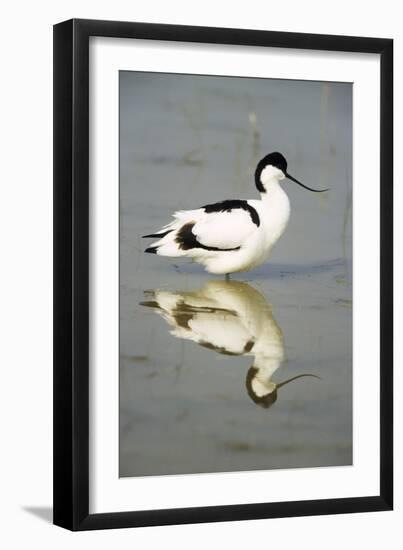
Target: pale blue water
{"points": [[188, 141]]}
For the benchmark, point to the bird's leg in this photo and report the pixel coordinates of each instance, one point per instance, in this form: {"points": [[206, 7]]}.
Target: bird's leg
{"points": [[227, 278]]}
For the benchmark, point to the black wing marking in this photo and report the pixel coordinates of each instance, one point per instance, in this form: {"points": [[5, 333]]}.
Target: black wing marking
{"points": [[220, 349], [186, 240], [228, 205], [155, 235]]}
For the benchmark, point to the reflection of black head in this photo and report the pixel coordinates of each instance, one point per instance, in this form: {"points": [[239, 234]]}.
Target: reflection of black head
{"points": [[264, 401], [269, 399]]}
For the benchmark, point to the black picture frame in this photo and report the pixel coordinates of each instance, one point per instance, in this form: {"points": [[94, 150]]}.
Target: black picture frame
{"points": [[71, 274]]}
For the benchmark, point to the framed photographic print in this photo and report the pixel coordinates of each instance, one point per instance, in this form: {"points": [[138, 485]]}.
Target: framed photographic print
{"points": [[223, 331]]}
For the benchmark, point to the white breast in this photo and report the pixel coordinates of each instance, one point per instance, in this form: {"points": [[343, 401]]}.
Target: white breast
{"points": [[274, 213]]}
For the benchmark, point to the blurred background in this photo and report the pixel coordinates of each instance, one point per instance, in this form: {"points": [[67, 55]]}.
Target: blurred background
{"points": [[186, 141]]}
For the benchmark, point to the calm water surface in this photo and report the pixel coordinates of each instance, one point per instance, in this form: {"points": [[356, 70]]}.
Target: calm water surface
{"points": [[195, 352]]}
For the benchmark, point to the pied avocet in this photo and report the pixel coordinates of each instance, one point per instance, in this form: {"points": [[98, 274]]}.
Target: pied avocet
{"points": [[232, 235], [233, 319]]}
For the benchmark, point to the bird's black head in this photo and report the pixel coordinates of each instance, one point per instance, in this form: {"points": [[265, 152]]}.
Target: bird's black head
{"points": [[272, 159], [278, 161]]}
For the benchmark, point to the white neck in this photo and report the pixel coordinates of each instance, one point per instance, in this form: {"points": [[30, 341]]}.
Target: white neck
{"points": [[270, 177], [276, 209], [262, 384], [272, 187], [266, 367]]}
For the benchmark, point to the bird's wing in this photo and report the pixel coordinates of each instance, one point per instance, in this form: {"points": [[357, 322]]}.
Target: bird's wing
{"points": [[225, 228], [222, 332]]}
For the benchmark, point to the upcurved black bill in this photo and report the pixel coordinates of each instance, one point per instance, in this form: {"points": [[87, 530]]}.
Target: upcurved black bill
{"points": [[305, 186], [294, 378]]}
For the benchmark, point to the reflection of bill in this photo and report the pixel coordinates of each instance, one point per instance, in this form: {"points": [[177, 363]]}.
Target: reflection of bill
{"points": [[231, 318]]}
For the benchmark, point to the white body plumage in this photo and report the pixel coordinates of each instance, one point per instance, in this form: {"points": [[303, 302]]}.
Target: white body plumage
{"points": [[242, 243], [234, 235]]}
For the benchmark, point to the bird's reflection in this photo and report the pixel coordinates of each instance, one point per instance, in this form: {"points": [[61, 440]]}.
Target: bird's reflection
{"points": [[231, 318]]}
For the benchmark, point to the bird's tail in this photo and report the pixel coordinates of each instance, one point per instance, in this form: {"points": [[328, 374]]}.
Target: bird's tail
{"points": [[166, 245], [159, 234]]}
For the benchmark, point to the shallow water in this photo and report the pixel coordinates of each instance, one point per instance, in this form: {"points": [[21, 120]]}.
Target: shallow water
{"points": [[188, 341]]}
